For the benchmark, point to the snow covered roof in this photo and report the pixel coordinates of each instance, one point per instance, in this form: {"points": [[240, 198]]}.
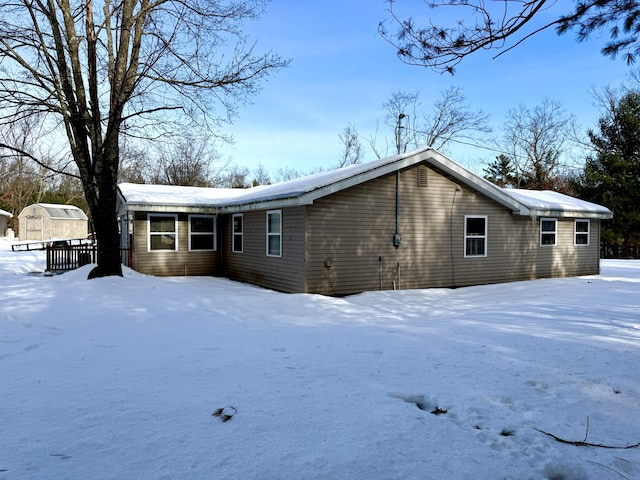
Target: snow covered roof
{"points": [[6, 214], [57, 211], [145, 197], [549, 203], [69, 212], [304, 190]]}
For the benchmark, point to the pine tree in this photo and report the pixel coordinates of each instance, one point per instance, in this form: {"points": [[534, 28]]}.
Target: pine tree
{"points": [[611, 176], [501, 172]]}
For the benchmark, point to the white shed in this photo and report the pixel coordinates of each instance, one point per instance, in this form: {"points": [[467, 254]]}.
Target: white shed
{"points": [[4, 218], [46, 221]]}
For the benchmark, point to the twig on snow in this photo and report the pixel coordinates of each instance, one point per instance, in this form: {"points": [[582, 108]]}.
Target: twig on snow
{"points": [[584, 442], [612, 469]]}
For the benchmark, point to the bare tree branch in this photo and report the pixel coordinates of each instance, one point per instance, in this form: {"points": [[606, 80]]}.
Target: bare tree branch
{"points": [[478, 25]]}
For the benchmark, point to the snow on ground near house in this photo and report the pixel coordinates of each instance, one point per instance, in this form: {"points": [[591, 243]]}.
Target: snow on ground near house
{"points": [[117, 378]]}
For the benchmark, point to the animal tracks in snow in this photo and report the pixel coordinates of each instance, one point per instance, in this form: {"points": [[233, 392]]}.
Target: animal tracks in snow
{"points": [[509, 424], [422, 402]]}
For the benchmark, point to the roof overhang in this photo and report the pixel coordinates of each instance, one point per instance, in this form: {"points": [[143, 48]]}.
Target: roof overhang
{"points": [[534, 212], [306, 190], [398, 163], [167, 208]]}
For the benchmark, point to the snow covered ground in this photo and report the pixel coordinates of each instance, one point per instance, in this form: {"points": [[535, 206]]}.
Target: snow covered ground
{"points": [[118, 378]]}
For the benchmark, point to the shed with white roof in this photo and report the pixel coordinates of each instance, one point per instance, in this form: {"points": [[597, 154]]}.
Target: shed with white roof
{"points": [[48, 221], [415, 220]]}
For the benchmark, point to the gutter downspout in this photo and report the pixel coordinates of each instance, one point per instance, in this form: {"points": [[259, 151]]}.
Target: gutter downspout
{"points": [[397, 237]]}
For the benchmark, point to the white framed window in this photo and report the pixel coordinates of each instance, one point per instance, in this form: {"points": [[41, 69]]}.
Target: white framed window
{"points": [[162, 232], [274, 233], [581, 230], [202, 233], [238, 232], [475, 236], [548, 232]]}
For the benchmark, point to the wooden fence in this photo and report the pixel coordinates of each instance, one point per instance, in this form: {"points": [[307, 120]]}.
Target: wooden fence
{"points": [[630, 251]]}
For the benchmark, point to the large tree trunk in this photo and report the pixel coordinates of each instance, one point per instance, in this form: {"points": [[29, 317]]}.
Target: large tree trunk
{"points": [[103, 210], [105, 224]]}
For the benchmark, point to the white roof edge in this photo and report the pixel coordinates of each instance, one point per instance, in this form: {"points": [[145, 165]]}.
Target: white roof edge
{"points": [[170, 208], [535, 212], [62, 206], [6, 214], [305, 190], [394, 163]]}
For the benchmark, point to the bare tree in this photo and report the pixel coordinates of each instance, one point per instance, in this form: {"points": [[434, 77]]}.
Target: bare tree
{"points": [[135, 163], [400, 110], [98, 69], [477, 25], [352, 151], [450, 119], [534, 140], [235, 177], [287, 173], [188, 162], [261, 176], [23, 181]]}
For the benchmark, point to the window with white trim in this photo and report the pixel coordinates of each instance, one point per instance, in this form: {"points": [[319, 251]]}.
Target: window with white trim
{"points": [[548, 231], [202, 232], [581, 231], [237, 233], [475, 236], [162, 232], [274, 233]]}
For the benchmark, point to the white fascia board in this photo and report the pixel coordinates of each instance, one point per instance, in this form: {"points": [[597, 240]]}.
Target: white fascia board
{"points": [[141, 207], [570, 214], [263, 205]]}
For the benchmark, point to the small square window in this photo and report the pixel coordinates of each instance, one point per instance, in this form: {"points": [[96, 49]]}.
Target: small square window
{"points": [[163, 232], [202, 233], [548, 231], [581, 232]]}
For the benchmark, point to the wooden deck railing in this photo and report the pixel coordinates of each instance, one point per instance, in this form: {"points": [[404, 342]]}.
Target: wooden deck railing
{"points": [[62, 258]]}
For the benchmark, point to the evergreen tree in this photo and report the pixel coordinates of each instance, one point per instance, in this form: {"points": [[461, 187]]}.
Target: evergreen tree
{"points": [[611, 176], [501, 172]]}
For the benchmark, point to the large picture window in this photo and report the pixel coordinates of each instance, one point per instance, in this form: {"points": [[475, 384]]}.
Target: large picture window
{"points": [[475, 236], [237, 233], [548, 231], [202, 232], [163, 233], [581, 232], [274, 233]]}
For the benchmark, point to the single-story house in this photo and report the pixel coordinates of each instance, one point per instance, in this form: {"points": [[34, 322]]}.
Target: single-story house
{"points": [[47, 221], [4, 222], [414, 220]]}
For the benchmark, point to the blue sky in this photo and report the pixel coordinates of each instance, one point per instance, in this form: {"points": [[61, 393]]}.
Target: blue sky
{"points": [[342, 72]]}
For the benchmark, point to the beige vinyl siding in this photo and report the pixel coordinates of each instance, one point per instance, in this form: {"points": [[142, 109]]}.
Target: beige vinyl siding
{"points": [[351, 231], [179, 263], [284, 273]]}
